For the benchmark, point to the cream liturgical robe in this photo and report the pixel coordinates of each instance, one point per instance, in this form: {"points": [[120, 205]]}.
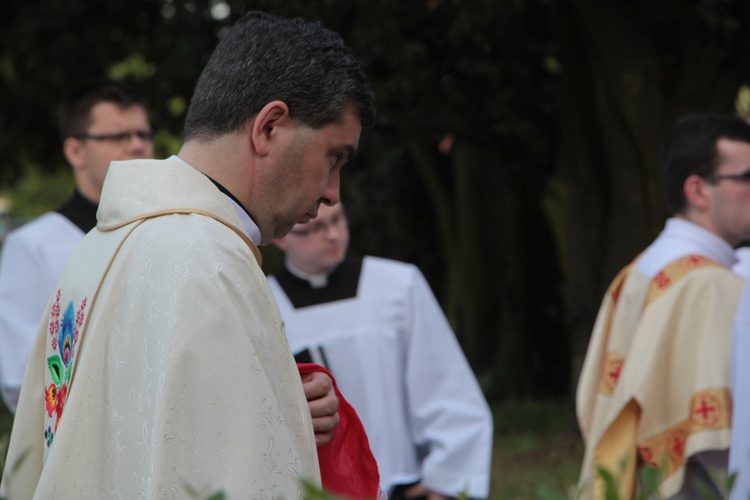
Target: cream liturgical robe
{"points": [[654, 389], [161, 363]]}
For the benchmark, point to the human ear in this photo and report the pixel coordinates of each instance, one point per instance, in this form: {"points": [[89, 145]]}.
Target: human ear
{"points": [[696, 192], [74, 153], [266, 124]]}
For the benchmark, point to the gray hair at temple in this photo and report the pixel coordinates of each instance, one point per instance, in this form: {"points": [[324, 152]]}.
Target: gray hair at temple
{"points": [[264, 58]]}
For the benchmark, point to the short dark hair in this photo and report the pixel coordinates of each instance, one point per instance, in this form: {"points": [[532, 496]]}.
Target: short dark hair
{"points": [[77, 103], [690, 149], [265, 58]]}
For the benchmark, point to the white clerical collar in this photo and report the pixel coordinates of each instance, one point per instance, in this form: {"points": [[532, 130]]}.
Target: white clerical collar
{"points": [[679, 238], [315, 280], [250, 226]]}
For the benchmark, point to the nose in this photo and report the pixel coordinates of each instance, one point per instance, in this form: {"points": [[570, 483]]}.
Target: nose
{"points": [[333, 232], [331, 194]]}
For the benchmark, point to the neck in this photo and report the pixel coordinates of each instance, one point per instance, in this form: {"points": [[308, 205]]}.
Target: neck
{"points": [[218, 159], [702, 220], [87, 191]]}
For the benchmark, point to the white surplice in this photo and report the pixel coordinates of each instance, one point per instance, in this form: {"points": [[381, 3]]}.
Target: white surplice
{"points": [[397, 361]]}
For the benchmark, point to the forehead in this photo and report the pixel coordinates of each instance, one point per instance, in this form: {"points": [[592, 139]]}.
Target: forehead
{"points": [[112, 114], [344, 134], [734, 156]]}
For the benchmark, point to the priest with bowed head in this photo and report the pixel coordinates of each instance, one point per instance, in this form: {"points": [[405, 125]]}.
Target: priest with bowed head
{"points": [[161, 365], [100, 121]]}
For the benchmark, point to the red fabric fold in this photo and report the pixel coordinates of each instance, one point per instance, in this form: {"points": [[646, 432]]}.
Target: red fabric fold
{"points": [[347, 465]]}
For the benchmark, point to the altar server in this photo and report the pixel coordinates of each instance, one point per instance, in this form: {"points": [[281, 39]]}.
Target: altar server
{"points": [[376, 325]]}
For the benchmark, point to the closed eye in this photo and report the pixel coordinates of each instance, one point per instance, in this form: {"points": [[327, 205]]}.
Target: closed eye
{"points": [[338, 159]]}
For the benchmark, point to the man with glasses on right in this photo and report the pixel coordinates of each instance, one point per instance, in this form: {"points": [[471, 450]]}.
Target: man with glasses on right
{"points": [[655, 386], [99, 122]]}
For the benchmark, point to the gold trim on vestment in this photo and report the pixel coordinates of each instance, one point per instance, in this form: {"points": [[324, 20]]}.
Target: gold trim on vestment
{"points": [[140, 220], [616, 286], [611, 373], [188, 211], [709, 410], [673, 272], [85, 325]]}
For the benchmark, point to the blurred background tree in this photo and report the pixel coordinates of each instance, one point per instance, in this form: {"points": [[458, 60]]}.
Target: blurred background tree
{"points": [[514, 157]]}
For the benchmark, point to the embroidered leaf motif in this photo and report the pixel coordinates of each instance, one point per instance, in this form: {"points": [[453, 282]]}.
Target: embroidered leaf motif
{"points": [[55, 368], [65, 340]]}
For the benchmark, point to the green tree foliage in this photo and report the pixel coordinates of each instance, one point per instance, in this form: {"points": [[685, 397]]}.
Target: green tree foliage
{"points": [[35, 192], [50, 46]]}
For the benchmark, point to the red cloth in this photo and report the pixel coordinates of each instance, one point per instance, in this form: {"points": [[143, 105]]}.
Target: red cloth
{"points": [[347, 466]]}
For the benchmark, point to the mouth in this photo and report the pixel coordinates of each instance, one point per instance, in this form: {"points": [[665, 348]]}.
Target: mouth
{"points": [[306, 218]]}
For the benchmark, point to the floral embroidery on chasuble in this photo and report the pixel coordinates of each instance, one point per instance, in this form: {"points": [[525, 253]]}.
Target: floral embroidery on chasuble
{"points": [[68, 314], [61, 347]]}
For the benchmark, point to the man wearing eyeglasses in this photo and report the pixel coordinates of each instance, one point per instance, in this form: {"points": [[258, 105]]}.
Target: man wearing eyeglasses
{"points": [[99, 122], [375, 324], [654, 391]]}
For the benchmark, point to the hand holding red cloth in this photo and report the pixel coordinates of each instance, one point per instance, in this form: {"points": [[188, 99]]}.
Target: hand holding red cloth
{"points": [[347, 466]]}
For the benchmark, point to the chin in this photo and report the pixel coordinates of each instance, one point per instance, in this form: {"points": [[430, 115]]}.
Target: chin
{"points": [[282, 231], [335, 261]]}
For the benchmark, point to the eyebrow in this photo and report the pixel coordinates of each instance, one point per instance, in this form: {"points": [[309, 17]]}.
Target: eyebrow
{"points": [[351, 152]]}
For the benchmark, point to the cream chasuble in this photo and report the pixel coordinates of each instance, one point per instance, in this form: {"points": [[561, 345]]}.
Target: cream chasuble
{"points": [[161, 364], [654, 388]]}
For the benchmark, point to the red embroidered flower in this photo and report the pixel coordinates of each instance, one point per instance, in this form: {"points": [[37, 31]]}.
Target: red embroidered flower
{"points": [[62, 395], [79, 319], [54, 321], [50, 399], [56, 306]]}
